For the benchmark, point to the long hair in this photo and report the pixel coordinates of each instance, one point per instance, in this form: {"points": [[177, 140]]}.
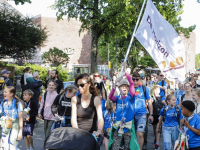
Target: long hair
{"points": [[92, 88]]}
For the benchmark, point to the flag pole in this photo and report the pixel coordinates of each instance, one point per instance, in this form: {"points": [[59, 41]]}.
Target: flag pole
{"points": [[132, 38]]}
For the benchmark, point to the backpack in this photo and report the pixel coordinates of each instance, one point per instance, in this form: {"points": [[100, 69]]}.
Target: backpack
{"points": [[165, 111], [182, 97], [144, 90], [157, 105], [3, 85]]}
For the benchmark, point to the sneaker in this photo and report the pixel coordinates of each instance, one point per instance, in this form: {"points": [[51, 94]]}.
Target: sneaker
{"points": [[144, 147], [157, 147], [31, 148]]}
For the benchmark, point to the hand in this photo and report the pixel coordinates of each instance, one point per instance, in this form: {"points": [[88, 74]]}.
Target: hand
{"points": [[97, 133], [118, 80], [19, 137], [186, 123], [40, 116], [28, 118], [151, 118], [124, 64], [58, 118]]}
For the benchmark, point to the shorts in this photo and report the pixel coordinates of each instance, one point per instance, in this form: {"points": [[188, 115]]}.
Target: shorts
{"points": [[140, 122], [28, 129], [106, 135], [155, 119]]}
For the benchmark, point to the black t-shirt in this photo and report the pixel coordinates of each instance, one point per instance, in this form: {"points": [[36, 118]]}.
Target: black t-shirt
{"points": [[62, 107], [33, 112]]}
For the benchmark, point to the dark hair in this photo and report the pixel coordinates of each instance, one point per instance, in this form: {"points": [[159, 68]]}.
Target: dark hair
{"points": [[169, 97], [27, 68], [189, 105], [92, 88], [158, 72], [135, 74], [69, 89]]}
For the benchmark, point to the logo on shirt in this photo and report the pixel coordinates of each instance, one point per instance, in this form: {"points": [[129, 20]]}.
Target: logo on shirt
{"points": [[66, 104]]}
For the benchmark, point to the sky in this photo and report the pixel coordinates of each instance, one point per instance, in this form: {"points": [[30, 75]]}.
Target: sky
{"points": [[189, 17]]}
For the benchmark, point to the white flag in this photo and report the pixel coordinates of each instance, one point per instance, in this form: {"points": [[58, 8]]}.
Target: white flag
{"points": [[162, 42]]}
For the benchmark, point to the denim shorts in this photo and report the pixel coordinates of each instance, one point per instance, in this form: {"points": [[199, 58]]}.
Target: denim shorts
{"points": [[140, 122], [28, 129]]}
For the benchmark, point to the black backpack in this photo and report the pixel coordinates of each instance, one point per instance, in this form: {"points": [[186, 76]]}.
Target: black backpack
{"points": [[157, 105], [165, 111]]}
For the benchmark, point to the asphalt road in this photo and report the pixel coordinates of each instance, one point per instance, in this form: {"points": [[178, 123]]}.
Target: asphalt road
{"points": [[38, 138]]}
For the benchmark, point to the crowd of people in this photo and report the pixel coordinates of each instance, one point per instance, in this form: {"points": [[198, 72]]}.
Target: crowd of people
{"points": [[120, 109]]}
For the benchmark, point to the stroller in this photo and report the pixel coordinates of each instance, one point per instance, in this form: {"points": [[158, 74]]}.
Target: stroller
{"points": [[68, 138]]}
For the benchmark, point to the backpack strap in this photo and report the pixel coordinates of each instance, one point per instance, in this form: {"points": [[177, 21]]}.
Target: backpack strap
{"points": [[182, 97], [144, 90], [178, 118], [164, 113], [45, 95], [61, 96]]}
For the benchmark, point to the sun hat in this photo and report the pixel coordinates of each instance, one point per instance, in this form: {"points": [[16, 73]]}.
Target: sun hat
{"points": [[123, 82]]}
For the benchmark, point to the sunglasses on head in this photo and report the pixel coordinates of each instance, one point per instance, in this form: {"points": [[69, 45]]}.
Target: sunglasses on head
{"points": [[96, 75], [135, 79], [81, 85]]}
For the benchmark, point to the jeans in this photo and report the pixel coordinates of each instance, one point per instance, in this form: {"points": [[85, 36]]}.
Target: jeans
{"points": [[170, 134], [140, 123]]}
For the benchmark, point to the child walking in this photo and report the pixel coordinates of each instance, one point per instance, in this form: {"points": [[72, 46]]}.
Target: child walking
{"points": [[192, 124], [11, 108], [109, 120], [196, 99], [171, 115], [31, 109]]}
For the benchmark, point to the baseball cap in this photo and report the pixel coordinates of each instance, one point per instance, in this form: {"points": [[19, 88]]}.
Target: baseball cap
{"points": [[4, 71], [123, 82]]}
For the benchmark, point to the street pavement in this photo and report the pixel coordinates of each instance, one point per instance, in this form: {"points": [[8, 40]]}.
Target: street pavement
{"points": [[38, 138]]}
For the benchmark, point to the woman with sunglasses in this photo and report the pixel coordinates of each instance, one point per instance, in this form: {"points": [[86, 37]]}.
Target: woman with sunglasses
{"points": [[100, 85], [86, 107]]}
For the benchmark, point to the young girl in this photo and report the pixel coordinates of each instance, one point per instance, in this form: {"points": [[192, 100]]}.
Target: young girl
{"points": [[11, 108], [109, 119], [45, 105], [61, 107], [192, 125], [171, 115], [187, 95], [196, 99], [125, 106]]}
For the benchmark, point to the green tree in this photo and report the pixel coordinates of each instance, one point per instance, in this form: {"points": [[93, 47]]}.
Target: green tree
{"points": [[56, 57], [197, 61], [19, 36]]}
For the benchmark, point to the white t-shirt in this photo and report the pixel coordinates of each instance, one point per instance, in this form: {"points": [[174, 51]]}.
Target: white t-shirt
{"points": [[27, 75]]}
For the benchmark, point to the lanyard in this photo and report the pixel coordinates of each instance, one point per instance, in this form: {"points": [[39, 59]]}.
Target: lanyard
{"points": [[189, 118], [11, 110], [28, 105], [111, 119]]}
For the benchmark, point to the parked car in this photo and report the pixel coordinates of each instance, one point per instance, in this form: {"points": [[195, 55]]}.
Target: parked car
{"points": [[65, 84]]}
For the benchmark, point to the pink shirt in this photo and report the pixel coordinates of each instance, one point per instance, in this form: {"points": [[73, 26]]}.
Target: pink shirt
{"points": [[47, 109]]}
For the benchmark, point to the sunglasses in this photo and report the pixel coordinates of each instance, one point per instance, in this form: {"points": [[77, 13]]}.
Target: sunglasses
{"points": [[161, 75], [135, 79], [81, 85], [96, 75]]}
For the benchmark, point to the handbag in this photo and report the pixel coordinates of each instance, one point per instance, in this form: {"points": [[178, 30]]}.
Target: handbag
{"points": [[42, 110]]}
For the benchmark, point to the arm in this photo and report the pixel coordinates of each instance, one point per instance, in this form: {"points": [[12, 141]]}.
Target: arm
{"points": [[37, 85], [41, 105], [20, 126], [34, 109], [54, 106], [150, 101], [159, 124], [111, 96], [196, 131], [131, 87], [74, 113], [97, 104]]}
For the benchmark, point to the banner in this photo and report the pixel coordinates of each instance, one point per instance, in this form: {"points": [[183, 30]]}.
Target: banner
{"points": [[162, 42]]}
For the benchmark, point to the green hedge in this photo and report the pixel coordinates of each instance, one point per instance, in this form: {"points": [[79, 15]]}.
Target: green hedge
{"points": [[62, 72]]}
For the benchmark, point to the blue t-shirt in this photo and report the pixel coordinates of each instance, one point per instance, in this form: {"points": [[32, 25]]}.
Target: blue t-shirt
{"points": [[194, 139], [11, 110], [171, 116], [109, 119], [140, 101], [162, 92], [125, 108], [103, 103]]}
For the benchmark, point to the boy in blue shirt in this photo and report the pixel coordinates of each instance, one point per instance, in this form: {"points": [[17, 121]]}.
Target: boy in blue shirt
{"points": [[161, 83], [192, 124]]}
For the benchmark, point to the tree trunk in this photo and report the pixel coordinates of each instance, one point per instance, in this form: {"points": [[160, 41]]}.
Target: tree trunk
{"points": [[95, 36]]}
